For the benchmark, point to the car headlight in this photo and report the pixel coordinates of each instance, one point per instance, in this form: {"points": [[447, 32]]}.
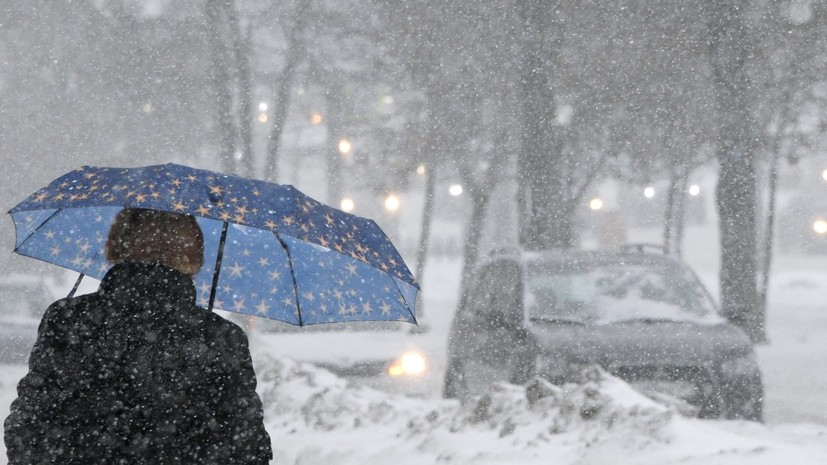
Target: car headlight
{"points": [[409, 364], [745, 366]]}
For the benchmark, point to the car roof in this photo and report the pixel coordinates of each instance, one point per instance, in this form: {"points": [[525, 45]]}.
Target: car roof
{"points": [[632, 254]]}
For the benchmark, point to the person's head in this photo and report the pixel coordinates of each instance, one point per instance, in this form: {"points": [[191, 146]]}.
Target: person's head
{"points": [[170, 239]]}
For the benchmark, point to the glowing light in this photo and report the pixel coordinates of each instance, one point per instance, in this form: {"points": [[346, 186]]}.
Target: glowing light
{"points": [[694, 190], [347, 204], [820, 227], [263, 117], [392, 203], [455, 189], [420, 169], [411, 364], [345, 146], [596, 203], [148, 108], [649, 192], [316, 118], [387, 99], [824, 175], [262, 106]]}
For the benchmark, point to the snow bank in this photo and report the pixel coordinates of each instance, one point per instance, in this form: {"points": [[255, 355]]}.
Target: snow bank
{"points": [[315, 417]]}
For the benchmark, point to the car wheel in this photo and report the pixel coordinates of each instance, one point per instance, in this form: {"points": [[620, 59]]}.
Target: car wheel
{"points": [[453, 380], [745, 401]]}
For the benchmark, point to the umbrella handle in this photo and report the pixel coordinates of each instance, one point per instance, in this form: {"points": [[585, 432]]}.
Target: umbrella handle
{"points": [[75, 288]]}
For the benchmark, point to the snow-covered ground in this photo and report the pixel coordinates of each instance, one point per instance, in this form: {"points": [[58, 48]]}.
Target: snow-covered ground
{"points": [[317, 418]]}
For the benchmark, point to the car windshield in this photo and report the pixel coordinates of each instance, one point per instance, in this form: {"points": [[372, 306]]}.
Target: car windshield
{"points": [[603, 293]]}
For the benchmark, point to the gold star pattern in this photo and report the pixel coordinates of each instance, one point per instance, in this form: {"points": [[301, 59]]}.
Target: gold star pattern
{"points": [[367, 309], [262, 307], [236, 270]]}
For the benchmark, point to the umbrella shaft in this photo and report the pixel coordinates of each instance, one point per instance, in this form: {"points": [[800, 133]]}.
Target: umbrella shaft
{"points": [[218, 260], [76, 286]]}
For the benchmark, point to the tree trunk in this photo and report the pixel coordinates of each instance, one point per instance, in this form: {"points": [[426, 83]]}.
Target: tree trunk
{"points": [[295, 50], [470, 251], [768, 235], [543, 190], [221, 82], [334, 104], [243, 52], [675, 212], [427, 218], [736, 191]]}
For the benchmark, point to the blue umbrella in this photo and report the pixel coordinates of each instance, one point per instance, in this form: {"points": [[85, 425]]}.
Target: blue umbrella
{"points": [[269, 250]]}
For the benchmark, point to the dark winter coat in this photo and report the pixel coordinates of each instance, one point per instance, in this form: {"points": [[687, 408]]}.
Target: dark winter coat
{"points": [[137, 374]]}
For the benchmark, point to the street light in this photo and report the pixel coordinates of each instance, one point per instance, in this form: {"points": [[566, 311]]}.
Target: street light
{"points": [[596, 204], [316, 118], [455, 190], [392, 203], [347, 204], [420, 169], [345, 146]]}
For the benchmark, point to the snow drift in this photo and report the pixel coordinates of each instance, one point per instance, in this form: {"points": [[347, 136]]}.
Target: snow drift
{"points": [[315, 417]]}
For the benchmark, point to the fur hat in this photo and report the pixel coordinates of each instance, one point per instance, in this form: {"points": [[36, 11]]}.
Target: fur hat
{"points": [[153, 236]]}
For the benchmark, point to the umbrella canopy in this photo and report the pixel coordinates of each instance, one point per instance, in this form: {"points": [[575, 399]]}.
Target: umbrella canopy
{"points": [[269, 250]]}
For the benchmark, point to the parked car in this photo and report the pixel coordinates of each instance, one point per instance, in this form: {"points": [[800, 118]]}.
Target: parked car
{"points": [[642, 316], [23, 299]]}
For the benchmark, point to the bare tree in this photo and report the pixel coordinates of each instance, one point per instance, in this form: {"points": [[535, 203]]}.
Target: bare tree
{"points": [[295, 52], [220, 66], [736, 191], [545, 217], [242, 53]]}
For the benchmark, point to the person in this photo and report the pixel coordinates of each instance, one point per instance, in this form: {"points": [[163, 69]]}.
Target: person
{"points": [[136, 373]]}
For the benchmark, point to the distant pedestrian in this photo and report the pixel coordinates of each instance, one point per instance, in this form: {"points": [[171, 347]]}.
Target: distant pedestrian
{"points": [[136, 373]]}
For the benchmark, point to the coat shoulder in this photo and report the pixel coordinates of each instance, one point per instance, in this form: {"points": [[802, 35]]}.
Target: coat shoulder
{"points": [[69, 310], [220, 326]]}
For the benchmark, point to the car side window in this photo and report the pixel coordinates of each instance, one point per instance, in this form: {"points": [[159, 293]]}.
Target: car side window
{"points": [[497, 296]]}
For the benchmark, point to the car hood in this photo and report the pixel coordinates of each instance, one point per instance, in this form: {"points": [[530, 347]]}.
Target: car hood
{"points": [[637, 343], [341, 349]]}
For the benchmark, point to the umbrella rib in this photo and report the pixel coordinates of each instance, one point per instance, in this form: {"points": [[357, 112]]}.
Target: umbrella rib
{"points": [[218, 259], [292, 275], [407, 304], [31, 234]]}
